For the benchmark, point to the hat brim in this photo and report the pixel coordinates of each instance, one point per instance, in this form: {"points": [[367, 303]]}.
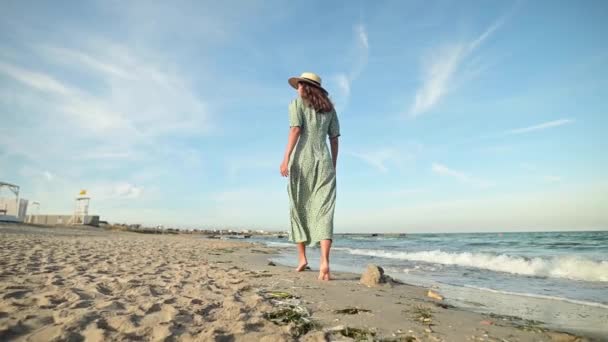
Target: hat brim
{"points": [[293, 82]]}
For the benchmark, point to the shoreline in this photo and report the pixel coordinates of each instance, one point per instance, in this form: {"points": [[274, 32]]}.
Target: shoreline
{"points": [[418, 293], [104, 285]]}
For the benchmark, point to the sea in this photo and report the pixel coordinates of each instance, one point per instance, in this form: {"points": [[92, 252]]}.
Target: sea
{"points": [[557, 278]]}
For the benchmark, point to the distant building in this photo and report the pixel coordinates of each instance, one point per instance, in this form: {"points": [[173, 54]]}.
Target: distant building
{"points": [[12, 208]]}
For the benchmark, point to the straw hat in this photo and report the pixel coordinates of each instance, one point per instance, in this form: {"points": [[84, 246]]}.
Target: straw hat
{"points": [[308, 77]]}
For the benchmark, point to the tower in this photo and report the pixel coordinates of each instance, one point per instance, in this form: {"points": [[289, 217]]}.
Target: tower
{"points": [[81, 209]]}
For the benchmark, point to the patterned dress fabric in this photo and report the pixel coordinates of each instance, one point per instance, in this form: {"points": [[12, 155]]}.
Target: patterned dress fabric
{"points": [[312, 177]]}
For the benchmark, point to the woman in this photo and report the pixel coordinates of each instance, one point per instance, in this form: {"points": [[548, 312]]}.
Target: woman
{"points": [[311, 169]]}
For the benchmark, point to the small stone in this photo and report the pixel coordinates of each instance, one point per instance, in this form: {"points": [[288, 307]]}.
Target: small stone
{"points": [[336, 328], [270, 263], [434, 295], [373, 276]]}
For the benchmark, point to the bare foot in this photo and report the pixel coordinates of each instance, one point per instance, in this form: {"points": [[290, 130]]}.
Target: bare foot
{"points": [[324, 273], [302, 266]]}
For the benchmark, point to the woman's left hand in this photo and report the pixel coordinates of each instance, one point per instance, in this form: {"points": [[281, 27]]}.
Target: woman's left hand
{"points": [[284, 168]]}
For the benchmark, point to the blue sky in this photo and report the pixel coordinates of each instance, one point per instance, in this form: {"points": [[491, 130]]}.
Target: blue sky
{"points": [[455, 116]]}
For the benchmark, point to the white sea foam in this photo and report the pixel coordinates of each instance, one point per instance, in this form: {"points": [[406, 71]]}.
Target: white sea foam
{"points": [[570, 267], [278, 244], [533, 295]]}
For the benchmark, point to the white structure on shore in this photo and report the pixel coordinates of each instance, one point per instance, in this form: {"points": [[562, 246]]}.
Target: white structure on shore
{"points": [[80, 216], [12, 208], [81, 210], [34, 205]]}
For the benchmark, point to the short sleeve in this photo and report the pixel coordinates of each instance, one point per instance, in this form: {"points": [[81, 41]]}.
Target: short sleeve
{"points": [[334, 126], [295, 115]]}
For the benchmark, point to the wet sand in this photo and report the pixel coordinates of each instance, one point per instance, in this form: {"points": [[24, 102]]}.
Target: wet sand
{"points": [[98, 285]]}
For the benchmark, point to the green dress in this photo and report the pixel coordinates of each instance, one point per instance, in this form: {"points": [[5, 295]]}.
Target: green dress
{"points": [[312, 177]]}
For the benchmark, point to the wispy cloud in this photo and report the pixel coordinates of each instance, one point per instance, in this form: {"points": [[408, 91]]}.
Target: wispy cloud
{"points": [[379, 159], [443, 170], [344, 80], [441, 68], [126, 190], [343, 83], [68, 56], [362, 35], [533, 171], [385, 158], [35, 80], [437, 76], [49, 176], [140, 102], [487, 33], [552, 179], [540, 127]]}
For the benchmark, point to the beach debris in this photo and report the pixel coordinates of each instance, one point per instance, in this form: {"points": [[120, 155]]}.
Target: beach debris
{"points": [[356, 334], [563, 337], [262, 275], [278, 295], [486, 322], [443, 305], [423, 314], [289, 311], [519, 323], [270, 263], [351, 311], [373, 276], [434, 295], [401, 336], [294, 315], [222, 250]]}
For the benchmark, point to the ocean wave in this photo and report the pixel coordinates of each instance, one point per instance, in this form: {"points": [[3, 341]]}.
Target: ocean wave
{"points": [[533, 295], [569, 267], [278, 244]]}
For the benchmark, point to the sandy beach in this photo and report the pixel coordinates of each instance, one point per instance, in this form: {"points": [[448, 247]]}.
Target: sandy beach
{"points": [[97, 285]]}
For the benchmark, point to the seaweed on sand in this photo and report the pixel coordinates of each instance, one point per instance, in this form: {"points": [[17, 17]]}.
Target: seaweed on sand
{"points": [[520, 323], [422, 314], [351, 311], [296, 316], [278, 295], [356, 334], [289, 311]]}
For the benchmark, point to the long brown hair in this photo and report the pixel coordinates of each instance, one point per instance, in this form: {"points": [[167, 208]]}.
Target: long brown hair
{"points": [[316, 98]]}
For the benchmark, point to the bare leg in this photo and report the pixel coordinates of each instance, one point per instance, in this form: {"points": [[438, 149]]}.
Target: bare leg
{"points": [[302, 261], [324, 266]]}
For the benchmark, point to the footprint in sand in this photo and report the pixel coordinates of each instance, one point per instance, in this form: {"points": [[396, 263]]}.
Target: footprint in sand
{"points": [[105, 290], [13, 331], [16, 294]]}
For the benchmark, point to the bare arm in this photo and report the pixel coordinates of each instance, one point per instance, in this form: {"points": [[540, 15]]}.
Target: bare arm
{"points": [[294, 135], [334, 143]]}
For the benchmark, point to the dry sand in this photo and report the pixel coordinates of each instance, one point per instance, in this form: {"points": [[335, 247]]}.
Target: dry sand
{"points": [[96, 285]]}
